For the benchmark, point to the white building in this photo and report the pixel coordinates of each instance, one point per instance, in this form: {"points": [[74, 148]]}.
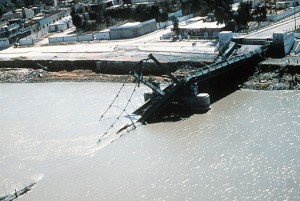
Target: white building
{"points": [[197, 27]]}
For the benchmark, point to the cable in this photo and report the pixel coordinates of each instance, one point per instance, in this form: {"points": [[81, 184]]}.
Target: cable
{"points": [[114, 99], [124, 110]]}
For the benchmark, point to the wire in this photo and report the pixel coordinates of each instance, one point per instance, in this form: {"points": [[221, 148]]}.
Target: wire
{"points": [[114, 99], [118, 118]]}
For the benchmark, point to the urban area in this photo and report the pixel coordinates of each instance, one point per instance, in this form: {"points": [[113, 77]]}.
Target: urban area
{"points": [[210, 66], [194, 27]]}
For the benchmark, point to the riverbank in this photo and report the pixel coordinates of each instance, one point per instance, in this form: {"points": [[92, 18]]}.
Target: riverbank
{"points": [[262, 79], [272, 74], [29, 75], [276, 74]]}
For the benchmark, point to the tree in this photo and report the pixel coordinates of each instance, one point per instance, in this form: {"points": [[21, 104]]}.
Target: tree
{"points": [[260, 13], [243, 16], [175, 25], [222, 11], [77, 21]]}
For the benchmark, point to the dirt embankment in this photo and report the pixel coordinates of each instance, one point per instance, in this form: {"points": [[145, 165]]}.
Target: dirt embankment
{"points": [[28, 75], [266, 77]]}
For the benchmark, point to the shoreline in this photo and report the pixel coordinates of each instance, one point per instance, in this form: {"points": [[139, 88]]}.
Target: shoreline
{"points": [[30, 75], [279, 79], [270, 74], [275, 74]]}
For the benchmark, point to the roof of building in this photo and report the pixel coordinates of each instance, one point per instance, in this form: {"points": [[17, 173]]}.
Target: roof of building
{"points": [[198, 23]]}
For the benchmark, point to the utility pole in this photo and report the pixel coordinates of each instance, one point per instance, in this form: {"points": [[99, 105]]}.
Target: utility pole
{"points": [[295, 15]]}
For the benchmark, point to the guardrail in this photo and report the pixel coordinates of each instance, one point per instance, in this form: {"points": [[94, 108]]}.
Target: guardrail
{"points": [[291, 16], [224, 63]]}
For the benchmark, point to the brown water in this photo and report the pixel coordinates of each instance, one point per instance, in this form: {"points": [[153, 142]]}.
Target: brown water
{"points": [[246, 148]]}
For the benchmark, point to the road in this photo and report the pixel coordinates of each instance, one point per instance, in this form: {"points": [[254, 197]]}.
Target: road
{"points": [[282, 26], [129, 49]]}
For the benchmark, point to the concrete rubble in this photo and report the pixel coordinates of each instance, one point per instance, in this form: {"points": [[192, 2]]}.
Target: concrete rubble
{"points": [[14, 75]]}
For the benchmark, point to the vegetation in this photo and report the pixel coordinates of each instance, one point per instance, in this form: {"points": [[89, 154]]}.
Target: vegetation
{"points": [[94, 17]]}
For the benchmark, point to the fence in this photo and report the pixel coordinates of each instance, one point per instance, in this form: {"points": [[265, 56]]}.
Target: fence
{"points": [[75, 38]]}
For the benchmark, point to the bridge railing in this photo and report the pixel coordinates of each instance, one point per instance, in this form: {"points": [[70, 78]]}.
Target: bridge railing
{"points": [[223, 63]]}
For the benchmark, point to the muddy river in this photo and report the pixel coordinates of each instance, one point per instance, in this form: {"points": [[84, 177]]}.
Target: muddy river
{"points": [[247, 147]]}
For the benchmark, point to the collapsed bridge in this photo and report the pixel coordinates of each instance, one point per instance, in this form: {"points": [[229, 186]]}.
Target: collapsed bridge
{"points": [[185, 91]]}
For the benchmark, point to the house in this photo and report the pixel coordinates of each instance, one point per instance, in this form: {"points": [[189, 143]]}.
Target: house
{"points": [[61, 25], [200, 28]]}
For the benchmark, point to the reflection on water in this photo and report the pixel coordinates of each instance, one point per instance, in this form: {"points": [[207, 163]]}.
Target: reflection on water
{"points": [[245, 148]]}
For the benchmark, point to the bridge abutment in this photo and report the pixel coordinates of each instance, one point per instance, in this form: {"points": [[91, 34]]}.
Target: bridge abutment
{"points": [[282, 44], [224, 38]]}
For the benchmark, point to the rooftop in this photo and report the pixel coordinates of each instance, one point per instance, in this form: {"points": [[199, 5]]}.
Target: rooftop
{"points": [[198, 23]]}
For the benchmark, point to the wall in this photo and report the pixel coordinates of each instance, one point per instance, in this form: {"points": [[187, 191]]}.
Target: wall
{"points": [[25, 41], [4, 42], [29, 13], [31, 39], [58, 27], [284, 14], [146, 1], [176, 14], [105, 35], [86, 37], [74, 38], [297, 35], [134, 30]]}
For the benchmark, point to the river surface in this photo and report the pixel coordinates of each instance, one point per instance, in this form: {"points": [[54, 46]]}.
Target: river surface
{"points": [[247, 147]]}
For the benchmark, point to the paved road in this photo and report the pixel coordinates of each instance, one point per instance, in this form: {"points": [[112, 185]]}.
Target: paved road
{"points": [[130, 49], [282, 26]]}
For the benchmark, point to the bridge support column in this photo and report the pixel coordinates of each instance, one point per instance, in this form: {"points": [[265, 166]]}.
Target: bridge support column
{"points": [[224, 38], [282, 44]]}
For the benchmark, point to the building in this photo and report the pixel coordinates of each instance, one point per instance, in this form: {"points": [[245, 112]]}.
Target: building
{"points": [[131, 30], [61, 25], [197, 27]]}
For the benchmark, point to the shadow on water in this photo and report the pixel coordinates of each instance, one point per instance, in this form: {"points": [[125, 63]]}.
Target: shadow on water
{"points": [[227, 83], [217, 87]]}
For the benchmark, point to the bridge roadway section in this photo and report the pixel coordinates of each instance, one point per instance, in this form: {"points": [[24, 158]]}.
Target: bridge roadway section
{"points": [[285, 25]]}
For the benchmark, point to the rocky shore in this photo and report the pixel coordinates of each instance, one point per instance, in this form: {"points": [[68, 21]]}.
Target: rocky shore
{"points": [[275, 74]]}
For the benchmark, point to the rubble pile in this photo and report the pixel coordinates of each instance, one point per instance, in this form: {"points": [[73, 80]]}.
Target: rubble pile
{"points": [[274, 80], [15, 75], [26, 75]]}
